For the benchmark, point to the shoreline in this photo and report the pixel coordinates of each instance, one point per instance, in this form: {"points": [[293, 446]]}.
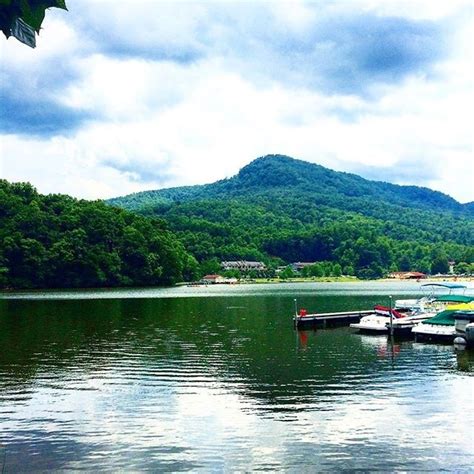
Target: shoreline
{"points": [[348, 279], [257, 281]]}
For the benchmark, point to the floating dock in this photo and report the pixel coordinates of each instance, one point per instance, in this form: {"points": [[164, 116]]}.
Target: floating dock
{"points": [[303, 320]]}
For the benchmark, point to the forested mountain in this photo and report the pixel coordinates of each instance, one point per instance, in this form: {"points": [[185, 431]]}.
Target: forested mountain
{"points": [[57, 241], [279, 209], [273, 173], [276, 209]]}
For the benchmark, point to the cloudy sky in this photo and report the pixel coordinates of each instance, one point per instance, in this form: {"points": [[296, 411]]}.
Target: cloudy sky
{"points": [[122, 96]]}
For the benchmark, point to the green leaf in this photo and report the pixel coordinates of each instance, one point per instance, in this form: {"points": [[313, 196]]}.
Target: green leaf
{"points": [[48, 3], [60, 4], [24, 33], [31, 12]]}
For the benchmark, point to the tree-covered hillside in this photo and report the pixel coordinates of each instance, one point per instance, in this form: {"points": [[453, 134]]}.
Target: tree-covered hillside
{"points": [[57, 241], [274, 173], [279, 209]]}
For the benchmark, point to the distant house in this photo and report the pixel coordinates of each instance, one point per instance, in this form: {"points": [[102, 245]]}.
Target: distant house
{"points": [[243, 265], [298, 266], [407, 275], [211, 279]]}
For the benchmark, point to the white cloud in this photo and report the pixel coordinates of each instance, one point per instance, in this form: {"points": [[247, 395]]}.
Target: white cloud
{"points": [[169, 120]]}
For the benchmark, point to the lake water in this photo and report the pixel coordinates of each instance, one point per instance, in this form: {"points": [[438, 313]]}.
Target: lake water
{"points": [[216, 379]]}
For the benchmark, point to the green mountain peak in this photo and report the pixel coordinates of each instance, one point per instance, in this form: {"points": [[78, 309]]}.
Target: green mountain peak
{"points": [[272, 173]]}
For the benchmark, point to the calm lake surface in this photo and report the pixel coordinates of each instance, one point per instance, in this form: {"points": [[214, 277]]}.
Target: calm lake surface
{"points": [[216, 379]]}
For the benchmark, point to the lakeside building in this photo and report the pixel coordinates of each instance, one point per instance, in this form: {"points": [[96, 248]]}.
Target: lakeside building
{"points": [[298, 266], [407, 275], [215, 279], [243, 265]]}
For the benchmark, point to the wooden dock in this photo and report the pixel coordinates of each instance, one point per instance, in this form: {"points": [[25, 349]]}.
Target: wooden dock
{"points": [[328, 319]]}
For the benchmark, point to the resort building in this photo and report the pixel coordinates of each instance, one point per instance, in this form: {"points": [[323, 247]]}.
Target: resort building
{"points": [[213, 279], [244, 266], [298, 266], [407, 275]]}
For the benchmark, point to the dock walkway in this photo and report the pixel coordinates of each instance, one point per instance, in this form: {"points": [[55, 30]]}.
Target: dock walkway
{"points": [[328, 319]]}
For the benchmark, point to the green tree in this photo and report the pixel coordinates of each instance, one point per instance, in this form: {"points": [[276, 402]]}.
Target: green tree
{"points": [[287, 273], [404, 263], [210, 267], [462, 268], [316, 270], [58, 241], [348, 270], [337, 270], [439, 264]]}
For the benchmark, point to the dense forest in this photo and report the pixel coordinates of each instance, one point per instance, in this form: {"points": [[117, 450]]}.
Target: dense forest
{"points": [[280, 210], [57, 241], [277, 210]]}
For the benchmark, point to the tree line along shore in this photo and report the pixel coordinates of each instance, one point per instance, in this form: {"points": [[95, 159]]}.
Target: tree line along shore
{"points": [[56, 241]]}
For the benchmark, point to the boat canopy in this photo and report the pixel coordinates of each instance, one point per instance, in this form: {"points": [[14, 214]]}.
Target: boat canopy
{"points": [[454, 298], [446, 284]]}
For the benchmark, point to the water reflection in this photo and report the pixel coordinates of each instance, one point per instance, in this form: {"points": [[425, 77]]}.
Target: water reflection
{"points": [[222, 384], [465, 360]]}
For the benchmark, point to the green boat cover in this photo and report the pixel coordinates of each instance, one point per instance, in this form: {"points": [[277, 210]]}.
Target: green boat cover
{"points": [[455, 298], [445, 318]]}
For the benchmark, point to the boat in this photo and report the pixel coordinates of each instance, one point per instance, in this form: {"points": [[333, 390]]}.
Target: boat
{"points": [[426, 307], [431, 296], [442, 327], [402, 328], [376, 322]]}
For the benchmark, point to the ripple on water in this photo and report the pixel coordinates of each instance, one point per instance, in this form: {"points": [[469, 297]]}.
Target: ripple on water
{"points": [[128, 387]]}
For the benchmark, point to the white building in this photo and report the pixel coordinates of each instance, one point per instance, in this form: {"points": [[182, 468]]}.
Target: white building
{"points": [[243, 265]]}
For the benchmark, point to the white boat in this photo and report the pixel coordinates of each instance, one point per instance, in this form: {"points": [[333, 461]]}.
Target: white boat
{"points": [[376, 323], [441, 327], [402, 327]]}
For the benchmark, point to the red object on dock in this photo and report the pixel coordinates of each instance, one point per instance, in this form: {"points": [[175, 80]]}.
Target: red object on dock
{"points": [[303, 313]]}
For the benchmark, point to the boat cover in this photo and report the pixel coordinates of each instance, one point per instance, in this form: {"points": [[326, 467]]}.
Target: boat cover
{"points": [[385, 311], [446, 317], [455, 298], [450, 285]]}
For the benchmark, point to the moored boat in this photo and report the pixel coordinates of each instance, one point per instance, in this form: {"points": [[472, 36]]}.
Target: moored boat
{"points": [[442, 327], [427, 306], [376, 323], [402, 328], [434, 294]]}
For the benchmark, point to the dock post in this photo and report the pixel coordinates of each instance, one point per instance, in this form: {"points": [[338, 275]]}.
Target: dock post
{"points": [[391, 316], [296, 314]]}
